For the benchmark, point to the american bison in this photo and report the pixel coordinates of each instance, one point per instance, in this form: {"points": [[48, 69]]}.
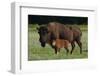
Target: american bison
{"points": [[55, 30], [60, 43]]}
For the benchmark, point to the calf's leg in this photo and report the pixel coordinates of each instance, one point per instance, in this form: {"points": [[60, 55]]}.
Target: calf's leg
{"points": [[55, 50]]}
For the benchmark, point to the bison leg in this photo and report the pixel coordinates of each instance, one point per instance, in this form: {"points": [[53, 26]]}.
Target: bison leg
{"points": [[73, 46], [67, 50], [80, 45], [56, 50]]}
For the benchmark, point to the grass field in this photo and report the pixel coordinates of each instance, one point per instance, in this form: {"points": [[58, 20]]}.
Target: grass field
{"points": [[36, 52]]}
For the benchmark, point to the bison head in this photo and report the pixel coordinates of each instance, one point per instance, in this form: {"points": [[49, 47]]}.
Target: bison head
{"points": [[43, 33]]}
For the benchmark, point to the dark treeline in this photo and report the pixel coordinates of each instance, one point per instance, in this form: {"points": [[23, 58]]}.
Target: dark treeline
{"points": [[41, 19]]}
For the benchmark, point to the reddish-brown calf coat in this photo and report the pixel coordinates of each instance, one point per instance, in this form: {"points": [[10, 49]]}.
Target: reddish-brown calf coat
{"points": [[60, 43]]}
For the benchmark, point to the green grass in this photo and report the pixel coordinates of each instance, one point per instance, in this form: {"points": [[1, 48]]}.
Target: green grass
{"points": [[36, 52]]}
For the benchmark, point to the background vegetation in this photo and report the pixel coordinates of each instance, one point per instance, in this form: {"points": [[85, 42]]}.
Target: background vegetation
{"points": [[44, 19]]}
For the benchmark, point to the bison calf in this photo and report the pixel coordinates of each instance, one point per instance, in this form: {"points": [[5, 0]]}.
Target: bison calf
{"points": [[60, 43]]}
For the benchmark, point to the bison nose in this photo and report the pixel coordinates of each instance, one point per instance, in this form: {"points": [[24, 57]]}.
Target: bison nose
{"points": [[43, 45]]}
